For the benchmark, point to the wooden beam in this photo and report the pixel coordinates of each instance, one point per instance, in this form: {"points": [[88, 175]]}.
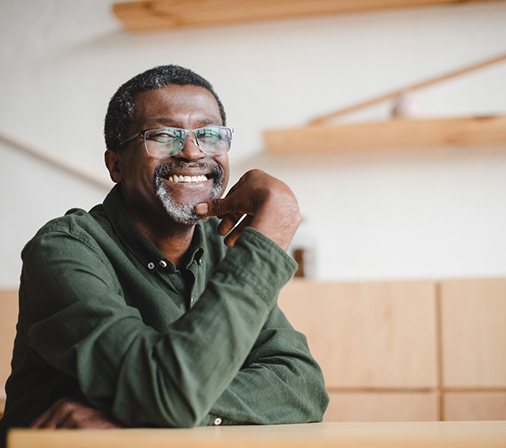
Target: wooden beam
{"points": [[54, 162], [327, 118], [146, 15], [398, 133]]}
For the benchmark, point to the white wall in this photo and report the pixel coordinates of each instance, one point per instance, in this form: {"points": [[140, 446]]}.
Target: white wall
{"points": [[375, 214]]}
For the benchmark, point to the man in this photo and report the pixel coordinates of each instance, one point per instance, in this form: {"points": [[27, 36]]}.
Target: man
{"points": [[139, 313]]}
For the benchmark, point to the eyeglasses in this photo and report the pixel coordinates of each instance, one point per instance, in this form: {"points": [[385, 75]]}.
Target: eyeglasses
{"points": [[165, 142]]}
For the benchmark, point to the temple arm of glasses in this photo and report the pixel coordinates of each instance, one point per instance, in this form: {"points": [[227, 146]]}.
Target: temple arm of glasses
{"points": [[133, 137]]}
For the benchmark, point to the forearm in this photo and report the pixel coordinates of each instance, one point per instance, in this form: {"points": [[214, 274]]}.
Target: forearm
{"points": [[280, 382]]}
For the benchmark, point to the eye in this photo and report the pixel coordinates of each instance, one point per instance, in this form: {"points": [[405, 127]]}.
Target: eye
{"points": [[163, 136], [209, 135]]}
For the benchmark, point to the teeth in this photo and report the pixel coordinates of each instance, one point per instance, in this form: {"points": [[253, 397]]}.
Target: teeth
{"points": [[194, 179]]}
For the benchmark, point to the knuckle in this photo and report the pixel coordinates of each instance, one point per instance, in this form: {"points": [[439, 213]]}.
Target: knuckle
{"points": [[67, 406]]}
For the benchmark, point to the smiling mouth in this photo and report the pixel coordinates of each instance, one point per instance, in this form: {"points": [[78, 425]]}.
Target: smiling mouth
{"points": [[187, 179]]}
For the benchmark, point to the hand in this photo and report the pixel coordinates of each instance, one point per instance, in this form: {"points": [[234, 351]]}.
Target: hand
{"points": [[266, 204], [68, 413]]}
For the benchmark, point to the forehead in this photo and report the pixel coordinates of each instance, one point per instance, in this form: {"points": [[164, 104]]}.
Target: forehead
{"points": [[177, 103]]}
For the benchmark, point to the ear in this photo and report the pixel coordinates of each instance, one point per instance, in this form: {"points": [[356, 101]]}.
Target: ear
{"points": [[113, 162]]}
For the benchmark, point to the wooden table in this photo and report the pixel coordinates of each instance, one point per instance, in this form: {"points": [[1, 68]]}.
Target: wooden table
{"points": [[475, 434]]}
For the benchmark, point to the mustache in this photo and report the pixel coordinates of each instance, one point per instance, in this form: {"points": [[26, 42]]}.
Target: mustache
{"points": [[164, 168]]}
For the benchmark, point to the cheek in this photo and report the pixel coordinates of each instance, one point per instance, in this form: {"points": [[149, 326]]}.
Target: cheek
{"points": [[223, 162], [141, 172]]}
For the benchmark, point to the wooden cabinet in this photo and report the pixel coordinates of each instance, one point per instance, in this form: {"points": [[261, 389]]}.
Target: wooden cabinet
{"points": [[404, 350], [8, 319]]}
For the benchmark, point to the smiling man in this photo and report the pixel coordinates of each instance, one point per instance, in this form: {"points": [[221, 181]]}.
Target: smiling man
{"points": [[158, 307]]}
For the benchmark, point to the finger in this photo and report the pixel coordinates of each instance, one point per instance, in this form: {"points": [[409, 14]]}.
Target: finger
{"points": [[68, 421], [229, 222], [97, 420], [219, 207], [65, 414], [47, 418], [41, 420], [216, 207], [232, 237], [202, 209], [103, 421], [211, 208]]}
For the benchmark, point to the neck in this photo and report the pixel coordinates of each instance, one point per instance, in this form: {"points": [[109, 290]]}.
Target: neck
{"points": [[171, 238]]}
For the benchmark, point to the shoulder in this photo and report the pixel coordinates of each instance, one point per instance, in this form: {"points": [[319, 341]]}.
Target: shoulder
{"points": [[76, 225]]}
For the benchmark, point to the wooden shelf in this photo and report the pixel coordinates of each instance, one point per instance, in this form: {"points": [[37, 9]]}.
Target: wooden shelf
{"points": [[397, 133], [148, 15]]}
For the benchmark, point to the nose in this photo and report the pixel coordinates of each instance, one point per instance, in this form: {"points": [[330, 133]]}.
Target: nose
{"points": [[190, 150]]}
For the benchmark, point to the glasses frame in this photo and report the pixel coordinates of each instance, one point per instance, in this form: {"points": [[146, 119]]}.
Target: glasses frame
{"points": [[186, 132]]}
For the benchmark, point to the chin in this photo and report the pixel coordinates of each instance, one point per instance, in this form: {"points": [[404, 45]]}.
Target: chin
{"points": [[181, 212]]}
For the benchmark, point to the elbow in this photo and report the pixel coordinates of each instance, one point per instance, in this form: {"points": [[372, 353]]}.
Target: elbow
{"points": [[320, 401], [324, 402], [316, 410]]}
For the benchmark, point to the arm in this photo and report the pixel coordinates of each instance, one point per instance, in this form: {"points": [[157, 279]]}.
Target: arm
{"points": [[280, 381]]}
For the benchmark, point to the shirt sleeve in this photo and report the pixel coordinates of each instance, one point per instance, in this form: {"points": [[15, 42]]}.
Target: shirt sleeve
{"points": [[280, 381], [79, 323]]}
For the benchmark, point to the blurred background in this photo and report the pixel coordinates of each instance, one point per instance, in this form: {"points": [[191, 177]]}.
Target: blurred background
{"points": [[375, 213], [385, 227]]}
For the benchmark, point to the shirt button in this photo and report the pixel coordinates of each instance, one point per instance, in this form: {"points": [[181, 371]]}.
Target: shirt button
{"points": [[151, 265], [217, 421], [162, 263]]}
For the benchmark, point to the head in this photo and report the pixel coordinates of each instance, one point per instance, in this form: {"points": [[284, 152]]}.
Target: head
{"points": [[165, 96]]}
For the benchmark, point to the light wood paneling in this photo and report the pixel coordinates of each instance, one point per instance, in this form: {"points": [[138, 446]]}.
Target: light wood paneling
{"points": [[367, 334], [148, 15], [381, 406], [475, 405], [8, 319], [474, 332], [390, 134]]}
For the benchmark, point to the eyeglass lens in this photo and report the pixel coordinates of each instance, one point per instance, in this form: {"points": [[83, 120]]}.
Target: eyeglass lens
{"points": [[211, 140]]}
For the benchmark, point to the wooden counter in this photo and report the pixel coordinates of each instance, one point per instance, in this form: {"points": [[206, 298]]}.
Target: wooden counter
{"points": [[474, 434]]}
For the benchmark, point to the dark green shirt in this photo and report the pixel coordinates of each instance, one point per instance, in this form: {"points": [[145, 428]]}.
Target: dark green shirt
{"points": [[104, 316]]}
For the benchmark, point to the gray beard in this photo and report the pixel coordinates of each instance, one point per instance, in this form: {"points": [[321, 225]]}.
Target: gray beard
{"points": [[185, 213]]}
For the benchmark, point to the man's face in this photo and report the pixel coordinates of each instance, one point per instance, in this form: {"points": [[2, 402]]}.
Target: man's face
{"points": [[172, 185]]}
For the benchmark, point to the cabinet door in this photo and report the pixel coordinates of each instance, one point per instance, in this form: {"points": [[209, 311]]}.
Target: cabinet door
{"points": [[474, 333], [367, 335]]}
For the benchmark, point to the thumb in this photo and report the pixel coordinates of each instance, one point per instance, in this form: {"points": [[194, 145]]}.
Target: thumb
{"points": [[215, 207]]}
